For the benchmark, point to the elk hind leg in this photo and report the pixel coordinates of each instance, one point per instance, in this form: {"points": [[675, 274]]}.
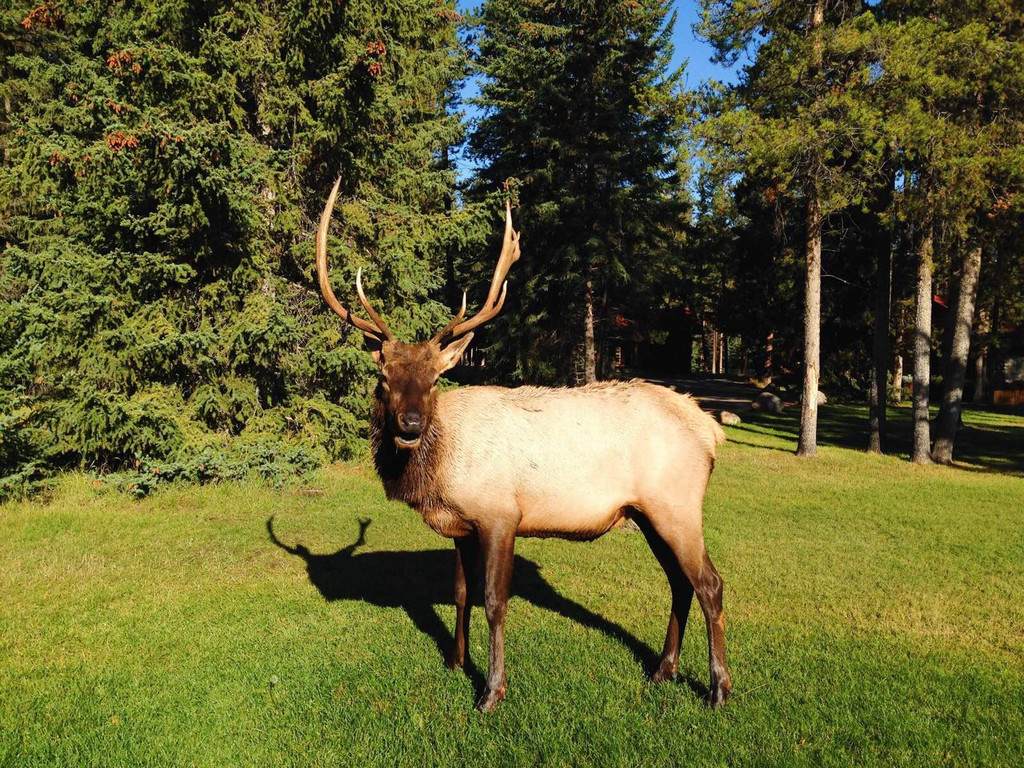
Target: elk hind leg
{"points": [[684, 537], [682, 597], [708, 585]]}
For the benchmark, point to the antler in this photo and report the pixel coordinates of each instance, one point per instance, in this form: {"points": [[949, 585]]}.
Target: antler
{"points": [[496, 295], [378, 327], [440, 335]]}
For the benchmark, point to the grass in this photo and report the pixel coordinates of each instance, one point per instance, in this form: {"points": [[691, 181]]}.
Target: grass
{"points": [[875, 616], [990, 440]]}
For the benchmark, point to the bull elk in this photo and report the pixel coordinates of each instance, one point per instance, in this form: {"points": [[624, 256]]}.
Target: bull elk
{"points": [[483, 465]]}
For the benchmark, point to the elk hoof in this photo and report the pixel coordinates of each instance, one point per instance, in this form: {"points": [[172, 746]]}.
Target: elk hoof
{"points": [[452, 661], [719, 695], [490, 700], [663, 673]]}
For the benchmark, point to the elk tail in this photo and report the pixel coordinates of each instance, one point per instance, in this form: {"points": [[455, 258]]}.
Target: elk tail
{"points": [[718, 432]]}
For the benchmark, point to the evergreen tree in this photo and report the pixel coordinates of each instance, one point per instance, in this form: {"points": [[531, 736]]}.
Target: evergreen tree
{"points": [[950, 76], [581, 107], [163, 164], [798, 117]]}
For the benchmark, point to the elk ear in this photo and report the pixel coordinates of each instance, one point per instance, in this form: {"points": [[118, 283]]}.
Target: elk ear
{"points": [[375, 347], [451, 354]]}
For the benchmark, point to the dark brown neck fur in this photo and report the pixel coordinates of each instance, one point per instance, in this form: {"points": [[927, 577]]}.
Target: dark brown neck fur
{"points": [[409, 476]]}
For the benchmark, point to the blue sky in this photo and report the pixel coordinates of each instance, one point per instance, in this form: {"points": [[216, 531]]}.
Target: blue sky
{"points": [[688, 47]]}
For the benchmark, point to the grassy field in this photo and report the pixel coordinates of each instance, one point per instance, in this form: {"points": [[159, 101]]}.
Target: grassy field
{"points": [[875, 616]]}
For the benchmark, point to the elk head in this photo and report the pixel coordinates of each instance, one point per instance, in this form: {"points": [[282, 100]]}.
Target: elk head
{"points": [[409, 372]]}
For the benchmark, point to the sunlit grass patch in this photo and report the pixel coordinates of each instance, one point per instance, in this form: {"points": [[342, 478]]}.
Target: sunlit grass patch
{"points": [[875, 616]]}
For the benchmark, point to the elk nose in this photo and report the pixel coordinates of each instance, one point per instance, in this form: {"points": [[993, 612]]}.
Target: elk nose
{"points": [[411, 421]]}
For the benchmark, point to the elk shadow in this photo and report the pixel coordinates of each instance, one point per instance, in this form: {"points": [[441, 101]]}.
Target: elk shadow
{"points": [[419, 580]]}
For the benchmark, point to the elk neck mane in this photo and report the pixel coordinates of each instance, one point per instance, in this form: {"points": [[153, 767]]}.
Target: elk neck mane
{"points": [[409, 476]]}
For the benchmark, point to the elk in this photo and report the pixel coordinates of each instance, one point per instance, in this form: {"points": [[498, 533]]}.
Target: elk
{"points": [[485, 464]]}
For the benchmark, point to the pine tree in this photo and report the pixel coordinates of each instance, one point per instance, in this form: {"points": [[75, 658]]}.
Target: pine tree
{"points": [[163, 165], [581, 107], [799, 118], [950, 76]]}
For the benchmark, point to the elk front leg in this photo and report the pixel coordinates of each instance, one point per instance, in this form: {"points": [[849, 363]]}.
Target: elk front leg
{"points": [[465, 578], [497, 550]]}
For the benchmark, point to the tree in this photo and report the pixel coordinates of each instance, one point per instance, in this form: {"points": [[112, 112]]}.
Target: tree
{"points": [[878, 398], [163, 166], [950, 76], [961, 317], [798, 117], [580, 106]]}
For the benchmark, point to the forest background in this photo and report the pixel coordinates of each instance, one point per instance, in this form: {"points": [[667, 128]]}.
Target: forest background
{"points": [[162, 166]]}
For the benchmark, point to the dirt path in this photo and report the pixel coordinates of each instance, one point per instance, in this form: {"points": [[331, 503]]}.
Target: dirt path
{"points": [[715, 393]]}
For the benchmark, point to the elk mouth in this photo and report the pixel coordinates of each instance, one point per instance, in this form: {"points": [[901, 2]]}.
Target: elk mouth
{"points": [[408, 441]]}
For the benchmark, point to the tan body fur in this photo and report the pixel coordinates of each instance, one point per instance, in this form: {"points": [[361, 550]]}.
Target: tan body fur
{"points": [[571, 463]]}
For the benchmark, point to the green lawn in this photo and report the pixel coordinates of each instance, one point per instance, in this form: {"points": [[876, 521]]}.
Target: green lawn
{"points": [[875, 616]]}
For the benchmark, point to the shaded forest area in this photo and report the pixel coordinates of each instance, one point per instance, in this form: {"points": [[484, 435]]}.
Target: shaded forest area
{"points": [[846, 216]]}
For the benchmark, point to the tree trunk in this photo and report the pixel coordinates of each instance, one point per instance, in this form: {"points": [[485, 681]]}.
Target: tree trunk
{"points": [[817, 43], [769, 351], [706, 356], [956, 363], [982, 331], [589, 344], [952, 297], [605, 347], [899, 321], [979, 377], [880, 353], [921, 451], [897, 379], [808, 443]]}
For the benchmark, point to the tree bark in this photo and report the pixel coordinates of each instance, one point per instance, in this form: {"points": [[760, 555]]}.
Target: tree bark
{"points": [[706, 356], [897, 379], [979, 377], [880, 354], [952, 297], [981, 356], [710, 352], [962, 319], [899, 330], [718, 351], [808, 443], [605, 348], [589, 344], [921, 450], [817, 43]]}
